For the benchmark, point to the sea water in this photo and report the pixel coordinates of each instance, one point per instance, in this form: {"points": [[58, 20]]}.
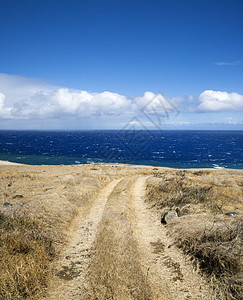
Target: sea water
{"points": [[179, 149]]}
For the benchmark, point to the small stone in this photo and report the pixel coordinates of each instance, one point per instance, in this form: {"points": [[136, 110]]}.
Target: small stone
{"points": [[18, 196], [169, 216], [7, 204], [231, 214]]}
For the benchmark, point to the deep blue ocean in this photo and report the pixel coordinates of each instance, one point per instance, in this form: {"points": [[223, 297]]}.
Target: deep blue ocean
{"points": [[179, 149]]}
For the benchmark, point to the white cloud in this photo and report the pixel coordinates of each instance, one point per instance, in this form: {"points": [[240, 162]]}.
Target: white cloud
{"points": [[31, 101], [141, 101], [178, 101], [220, 101], [151, 103], [2, 100], [82, 103], [178, 123], [23, 98], [5, 112], [233, 63]]}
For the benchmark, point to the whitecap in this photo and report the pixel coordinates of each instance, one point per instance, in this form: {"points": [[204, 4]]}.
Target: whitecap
{"points": [[215, 166]]}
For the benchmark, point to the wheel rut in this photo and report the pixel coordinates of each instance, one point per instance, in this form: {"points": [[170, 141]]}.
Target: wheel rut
{"points": [[72, 266], [167, 266]]}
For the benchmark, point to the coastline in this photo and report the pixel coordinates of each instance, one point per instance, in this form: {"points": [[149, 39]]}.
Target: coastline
{"points": [[8, 163]]}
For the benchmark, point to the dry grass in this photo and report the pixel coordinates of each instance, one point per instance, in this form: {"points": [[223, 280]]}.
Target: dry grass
{"points": [[196, 191], [25, 255], [202, 231], [217, 249], [115, 272], [177, 193], [51, 196]]}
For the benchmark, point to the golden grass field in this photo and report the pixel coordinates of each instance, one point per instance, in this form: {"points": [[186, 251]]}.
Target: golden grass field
{"points": [[95, 232]]}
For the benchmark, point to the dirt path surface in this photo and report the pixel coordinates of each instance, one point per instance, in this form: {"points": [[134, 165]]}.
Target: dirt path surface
{"points": [[119, 250], [72, 266], [164, 262]]}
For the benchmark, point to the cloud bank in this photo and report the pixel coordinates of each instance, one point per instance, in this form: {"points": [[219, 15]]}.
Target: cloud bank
{"points": [[220, 101], [25, 99]]}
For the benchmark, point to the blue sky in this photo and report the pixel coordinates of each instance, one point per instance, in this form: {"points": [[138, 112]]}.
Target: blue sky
{"points": [[57, 58]]}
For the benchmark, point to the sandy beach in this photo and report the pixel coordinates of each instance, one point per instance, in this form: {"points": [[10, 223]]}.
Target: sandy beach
{"points": [[7, 163]]}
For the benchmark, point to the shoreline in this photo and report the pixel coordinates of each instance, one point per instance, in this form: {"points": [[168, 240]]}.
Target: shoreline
{"points": [[8, 163]]}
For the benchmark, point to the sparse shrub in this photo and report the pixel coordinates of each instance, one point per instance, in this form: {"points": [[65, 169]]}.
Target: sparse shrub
{"points": [[201, 172], [175, 193]]}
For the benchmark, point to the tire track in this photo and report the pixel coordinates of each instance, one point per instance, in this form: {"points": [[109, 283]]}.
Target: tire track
{"points": [[166, 264], [69, 280]]}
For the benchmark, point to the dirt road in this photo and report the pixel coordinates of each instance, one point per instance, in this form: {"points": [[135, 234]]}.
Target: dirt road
{"points": [[119, 250]]}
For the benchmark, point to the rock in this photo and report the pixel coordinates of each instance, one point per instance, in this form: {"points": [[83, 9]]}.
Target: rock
{"points": [[231, 214], [18, 196], [7, 204], [169, 216]]}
